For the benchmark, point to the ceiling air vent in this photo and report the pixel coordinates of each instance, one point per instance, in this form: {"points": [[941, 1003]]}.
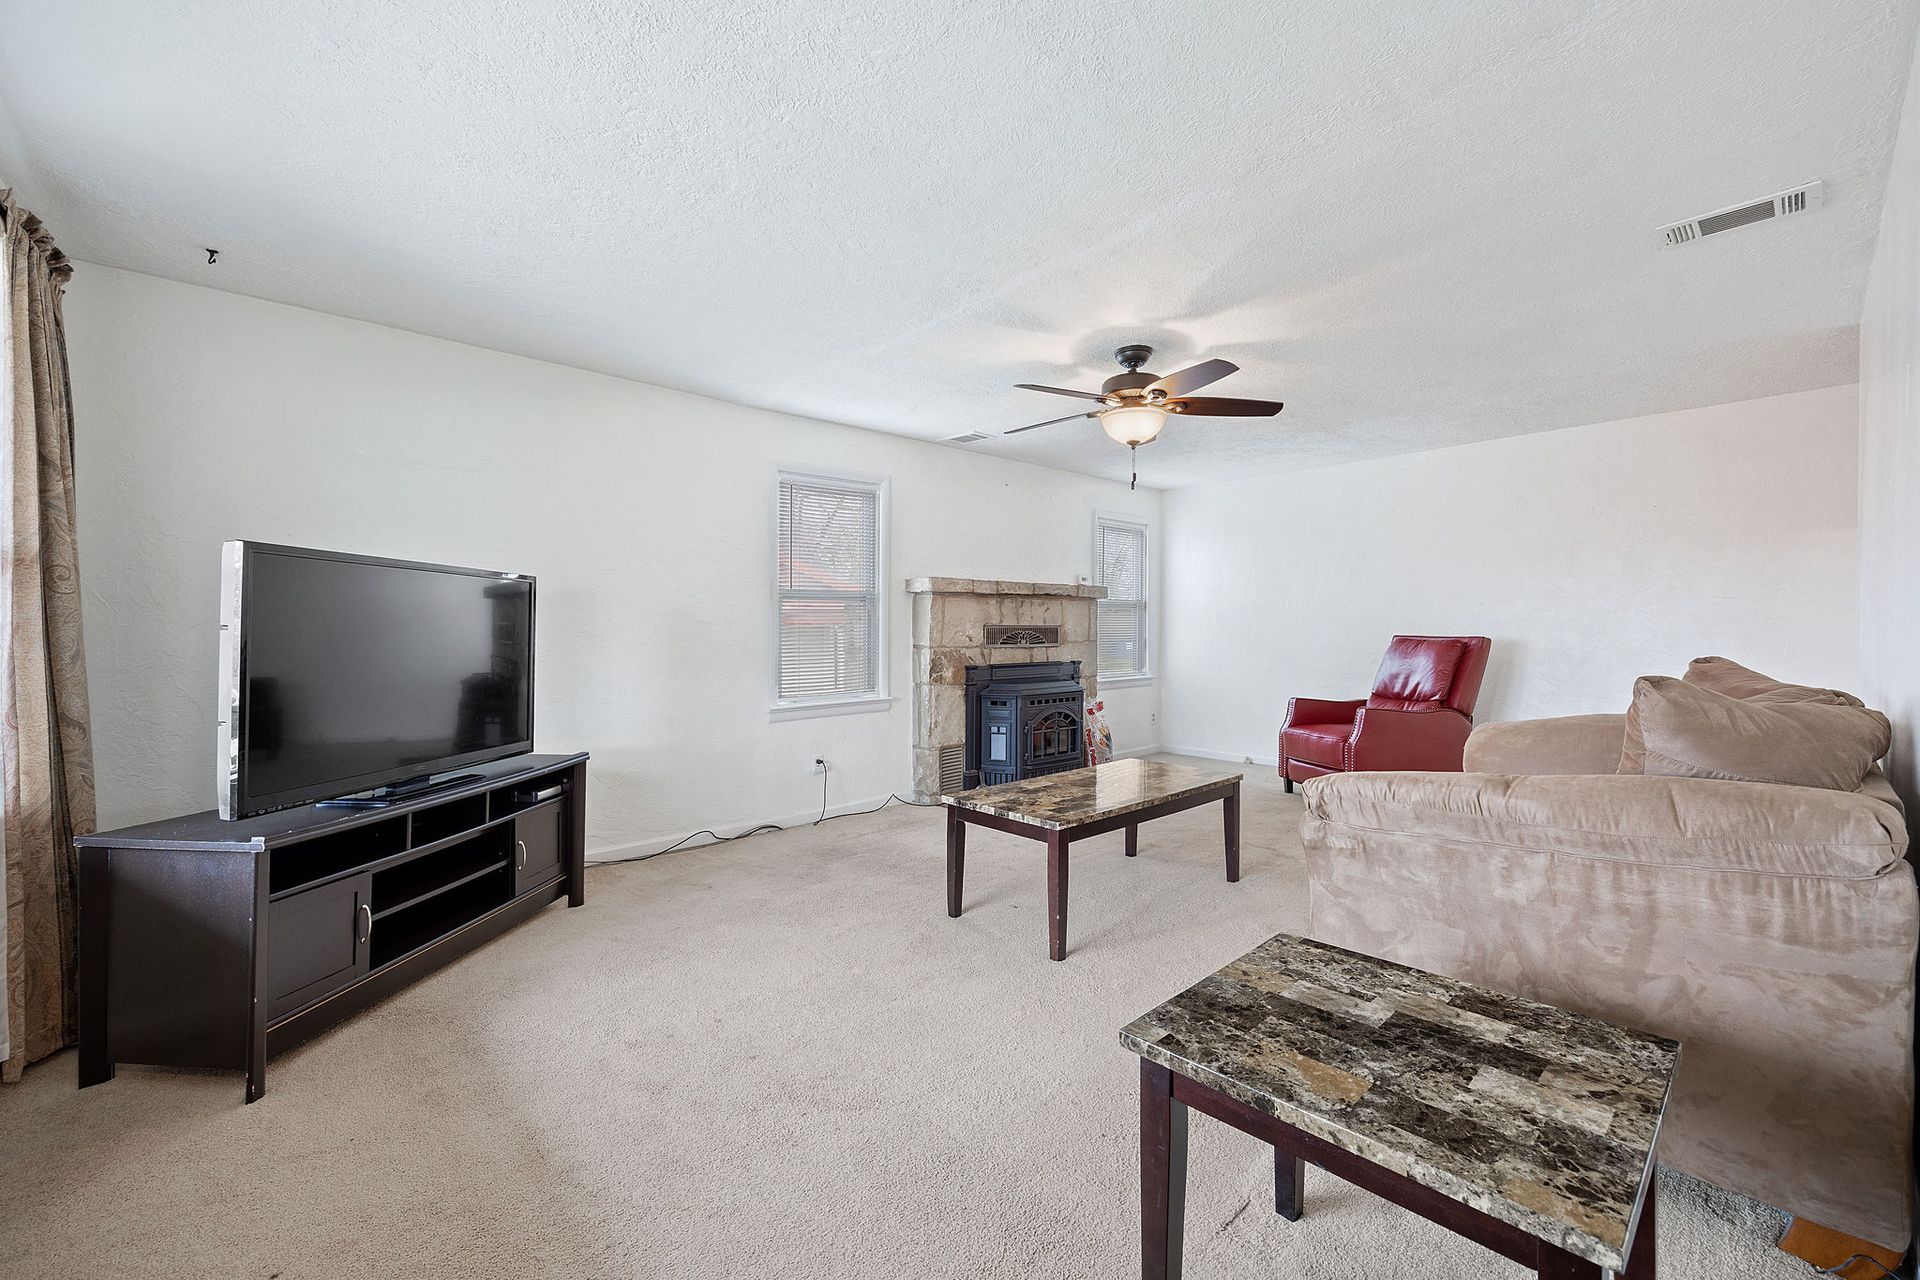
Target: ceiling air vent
{"points": [[1798, 200], [968, 438]]}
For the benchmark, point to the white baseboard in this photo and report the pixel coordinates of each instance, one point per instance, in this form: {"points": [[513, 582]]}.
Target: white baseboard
{"points": [[647, 846], [1272, 762]]}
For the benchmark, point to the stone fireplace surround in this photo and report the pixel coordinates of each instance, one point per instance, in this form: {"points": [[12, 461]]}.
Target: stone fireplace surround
{"points": [[950, 621]]}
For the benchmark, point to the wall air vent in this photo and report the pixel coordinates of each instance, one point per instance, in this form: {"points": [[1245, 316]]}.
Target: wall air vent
{"points": [[953, 768], [1797, 200]]}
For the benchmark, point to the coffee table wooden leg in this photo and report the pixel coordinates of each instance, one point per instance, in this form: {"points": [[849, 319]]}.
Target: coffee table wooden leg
{"points": [[1289, 1185], [1163, 1174], [1133, 841], [1642, 1257], [956, 859], [1232, 807], [1057, 894]]}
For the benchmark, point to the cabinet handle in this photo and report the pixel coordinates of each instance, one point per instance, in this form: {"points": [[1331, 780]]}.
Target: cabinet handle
{"points": [[520, 855], [366, 921]]}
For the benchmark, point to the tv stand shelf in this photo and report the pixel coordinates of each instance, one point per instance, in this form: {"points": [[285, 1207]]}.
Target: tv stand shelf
{"points": [[211, 943], [421, 888]]}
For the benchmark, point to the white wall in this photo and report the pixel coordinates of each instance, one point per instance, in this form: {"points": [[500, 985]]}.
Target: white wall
{"points": [[1591, 556], [1890, 458], [647, 515]]}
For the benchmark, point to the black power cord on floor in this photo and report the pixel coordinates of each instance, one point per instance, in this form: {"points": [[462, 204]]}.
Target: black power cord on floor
{"points": [[1840, 1268], [825, 769]]}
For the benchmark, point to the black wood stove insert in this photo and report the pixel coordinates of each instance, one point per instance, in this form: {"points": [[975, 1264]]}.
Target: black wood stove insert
{"points": [[1024, 719]]}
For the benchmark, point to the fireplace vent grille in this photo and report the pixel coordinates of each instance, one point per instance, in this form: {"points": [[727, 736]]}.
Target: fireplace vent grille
{"points": [[1021, 637]]}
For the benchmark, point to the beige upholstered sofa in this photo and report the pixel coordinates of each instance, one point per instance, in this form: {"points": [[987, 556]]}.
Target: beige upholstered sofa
{"points": [[1771, 929]]}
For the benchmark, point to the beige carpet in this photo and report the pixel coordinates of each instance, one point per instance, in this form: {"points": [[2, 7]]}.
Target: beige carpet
{"points": [[777, 1058]]}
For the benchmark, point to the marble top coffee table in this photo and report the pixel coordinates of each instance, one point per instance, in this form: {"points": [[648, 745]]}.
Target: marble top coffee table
{"points": [[1523, 1127], [1060, 808]]}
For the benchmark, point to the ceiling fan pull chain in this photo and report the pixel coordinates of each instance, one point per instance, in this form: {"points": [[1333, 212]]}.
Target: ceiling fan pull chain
{"points": [[1133, 458]]}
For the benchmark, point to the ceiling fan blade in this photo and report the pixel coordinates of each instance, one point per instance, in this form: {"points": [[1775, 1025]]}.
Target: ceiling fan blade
{"points": [[1059, 391], [1178, 384], [1049, 422], [1224, 407]]}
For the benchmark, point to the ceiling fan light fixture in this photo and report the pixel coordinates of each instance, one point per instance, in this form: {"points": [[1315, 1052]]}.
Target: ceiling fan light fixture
{"points": [[1135, 424]]}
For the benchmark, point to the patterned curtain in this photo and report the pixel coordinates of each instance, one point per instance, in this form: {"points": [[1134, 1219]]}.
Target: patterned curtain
{"points": [[44, 739]]}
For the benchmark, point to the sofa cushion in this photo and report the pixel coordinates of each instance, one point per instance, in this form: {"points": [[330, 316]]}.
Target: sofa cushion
{"points": [[1558, 745], [1416, 673], [1725, 676], [1321, 744], [1687, 731]]}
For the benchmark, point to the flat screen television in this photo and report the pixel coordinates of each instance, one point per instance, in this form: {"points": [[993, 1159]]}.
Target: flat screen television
{"points": [[344, 675]]}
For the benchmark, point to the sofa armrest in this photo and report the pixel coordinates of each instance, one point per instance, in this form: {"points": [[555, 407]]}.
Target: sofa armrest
{"points": [[1770, 929], [1562, 745], [1387, 739], [1321, 711]]}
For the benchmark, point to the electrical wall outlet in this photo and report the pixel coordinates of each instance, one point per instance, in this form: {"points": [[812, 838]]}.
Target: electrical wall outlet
{"points": [[820, 765]]}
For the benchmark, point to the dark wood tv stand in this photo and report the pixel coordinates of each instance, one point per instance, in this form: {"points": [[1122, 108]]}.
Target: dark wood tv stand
{"points": [[206, 943]]}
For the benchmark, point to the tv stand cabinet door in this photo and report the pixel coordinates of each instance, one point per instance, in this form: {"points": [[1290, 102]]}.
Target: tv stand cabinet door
{"points": [[536, 847], [317, 943]]}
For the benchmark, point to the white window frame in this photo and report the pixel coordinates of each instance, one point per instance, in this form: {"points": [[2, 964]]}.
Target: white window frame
{"points": [[833, 704], [1145, 674]]}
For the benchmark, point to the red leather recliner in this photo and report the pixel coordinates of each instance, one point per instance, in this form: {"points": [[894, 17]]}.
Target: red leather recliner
{"points": [[1417, 717]]}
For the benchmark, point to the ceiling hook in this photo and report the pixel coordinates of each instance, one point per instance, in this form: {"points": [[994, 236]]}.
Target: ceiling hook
{"points": [[213, 256]]}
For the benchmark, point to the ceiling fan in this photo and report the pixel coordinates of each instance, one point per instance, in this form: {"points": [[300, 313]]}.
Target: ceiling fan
{"points": [[1136, 404]]}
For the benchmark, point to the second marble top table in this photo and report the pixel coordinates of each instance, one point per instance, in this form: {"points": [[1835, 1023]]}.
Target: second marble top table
{"points": [[1059, 808], [1526, 1128]]}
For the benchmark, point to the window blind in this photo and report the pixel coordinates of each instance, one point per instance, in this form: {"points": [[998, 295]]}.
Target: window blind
{"points": [[1121, 627], [828, 562]]}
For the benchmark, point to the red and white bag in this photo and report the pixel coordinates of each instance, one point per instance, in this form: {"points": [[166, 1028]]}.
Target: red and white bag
{"points": [[1099, 734]]}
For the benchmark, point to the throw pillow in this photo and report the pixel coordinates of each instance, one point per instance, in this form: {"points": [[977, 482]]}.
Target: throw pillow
{"points": [[1723, 675], [1687, 731]]}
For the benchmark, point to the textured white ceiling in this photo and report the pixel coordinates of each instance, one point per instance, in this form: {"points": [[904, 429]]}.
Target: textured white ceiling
{"points": [[1417, 224]]}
